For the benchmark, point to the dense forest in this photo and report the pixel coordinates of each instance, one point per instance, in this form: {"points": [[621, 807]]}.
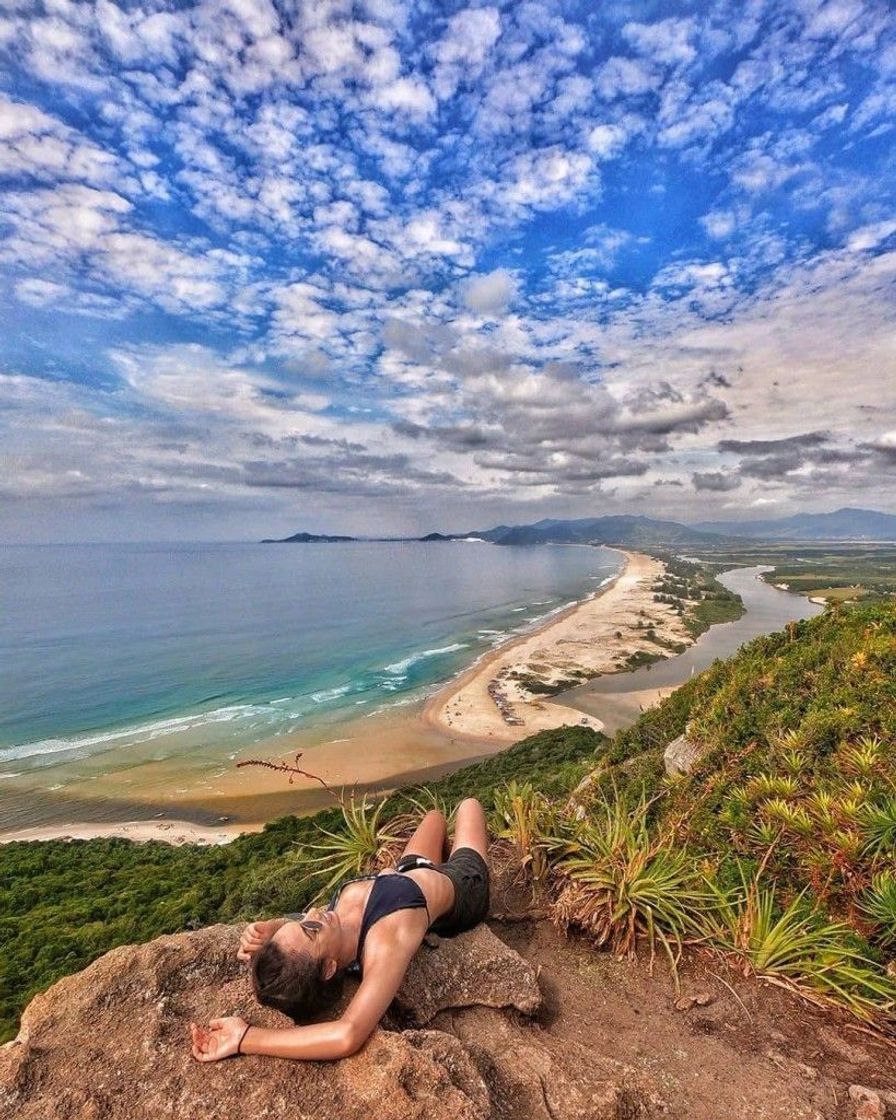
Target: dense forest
{"points": [[777, 851]]}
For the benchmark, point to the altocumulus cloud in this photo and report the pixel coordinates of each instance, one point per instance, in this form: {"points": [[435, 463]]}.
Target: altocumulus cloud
{"points": [[389, 266]]}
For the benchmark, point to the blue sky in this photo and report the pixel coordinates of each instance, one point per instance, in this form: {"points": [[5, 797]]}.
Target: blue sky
{"points": [[394, 267]]}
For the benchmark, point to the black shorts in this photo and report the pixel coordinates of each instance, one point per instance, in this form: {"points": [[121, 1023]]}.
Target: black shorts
{"points": [[468, 871]]}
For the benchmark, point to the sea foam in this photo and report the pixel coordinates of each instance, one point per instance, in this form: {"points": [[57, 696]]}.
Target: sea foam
{"points": [[404, 665]]}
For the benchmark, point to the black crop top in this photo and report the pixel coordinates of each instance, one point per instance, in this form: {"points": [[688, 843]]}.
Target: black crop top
{"points": [[389, 893]]}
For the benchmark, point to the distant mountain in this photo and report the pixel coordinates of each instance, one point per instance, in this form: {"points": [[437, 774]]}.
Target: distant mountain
{"points": [[636, 532], [841, 525], [647, 532], [624, 530], [306, 538]]}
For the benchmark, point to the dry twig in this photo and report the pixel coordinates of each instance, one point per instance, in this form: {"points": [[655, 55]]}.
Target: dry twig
{"points": [[293, 771]]}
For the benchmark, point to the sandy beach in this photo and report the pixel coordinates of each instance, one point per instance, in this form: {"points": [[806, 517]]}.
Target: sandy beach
{"points": [[499, 700], [170, 832], [485, 709]]}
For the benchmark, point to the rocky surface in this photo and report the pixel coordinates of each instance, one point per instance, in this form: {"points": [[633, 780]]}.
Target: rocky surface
{"points": [[464, 971], [682, 755], [112, 1043]]}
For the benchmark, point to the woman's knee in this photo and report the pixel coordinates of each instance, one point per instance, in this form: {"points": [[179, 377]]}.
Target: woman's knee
{"points": [[471, 828]]}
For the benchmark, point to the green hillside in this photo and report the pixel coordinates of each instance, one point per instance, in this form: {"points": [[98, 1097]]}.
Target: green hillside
{"points": [[783, 836], [777, 851]]}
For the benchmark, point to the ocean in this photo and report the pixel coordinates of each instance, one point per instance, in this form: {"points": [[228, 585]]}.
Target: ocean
{"points": [[145, 650]]}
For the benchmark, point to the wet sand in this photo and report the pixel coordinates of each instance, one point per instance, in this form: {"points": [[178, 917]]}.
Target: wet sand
{"points": [[373, 754]]}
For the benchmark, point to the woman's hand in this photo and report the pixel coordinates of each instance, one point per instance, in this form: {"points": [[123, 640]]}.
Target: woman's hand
{"points": [[253, 937], [219, 1040]]}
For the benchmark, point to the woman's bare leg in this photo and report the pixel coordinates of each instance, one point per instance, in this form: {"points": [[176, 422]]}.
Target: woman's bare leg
{"points": [[470, 828], [430, 837]]}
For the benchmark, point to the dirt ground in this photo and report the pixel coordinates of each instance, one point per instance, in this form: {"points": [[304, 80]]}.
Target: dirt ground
{"points": [[745, 1050]]}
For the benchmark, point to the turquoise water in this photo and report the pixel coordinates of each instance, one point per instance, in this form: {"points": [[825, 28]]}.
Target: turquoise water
{"points": [[113, 647]]}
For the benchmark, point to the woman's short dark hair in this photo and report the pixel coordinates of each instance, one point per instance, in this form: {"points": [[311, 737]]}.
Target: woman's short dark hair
{"points": [[290, 981]]}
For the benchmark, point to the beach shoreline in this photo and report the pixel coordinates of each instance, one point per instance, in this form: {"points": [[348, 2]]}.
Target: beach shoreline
{"points": [[517, 689], [460, 723], [169, 832]]}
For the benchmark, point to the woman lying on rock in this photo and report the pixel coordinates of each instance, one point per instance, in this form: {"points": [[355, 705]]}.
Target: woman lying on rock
{"points": [[372, 926]]}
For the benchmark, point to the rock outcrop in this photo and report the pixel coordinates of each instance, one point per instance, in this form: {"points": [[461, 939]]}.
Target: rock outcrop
{"points": [[112, 1043], [682, 755]]}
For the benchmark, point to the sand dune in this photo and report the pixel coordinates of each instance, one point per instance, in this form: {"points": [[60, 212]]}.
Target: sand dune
{"points": [[500, 698]]}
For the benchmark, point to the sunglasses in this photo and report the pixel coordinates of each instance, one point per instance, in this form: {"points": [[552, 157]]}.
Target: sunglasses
{"points": [[310, 925]]}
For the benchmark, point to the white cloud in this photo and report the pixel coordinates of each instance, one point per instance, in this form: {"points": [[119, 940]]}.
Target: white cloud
{"points": [[667, 41], [606, 140], [491, 293], [33, 143], [545, 177], [620, 76], [869, 237], [409, 95], [79, 228], [40, 293], [719, 224], [193, 379], [460, 54]]}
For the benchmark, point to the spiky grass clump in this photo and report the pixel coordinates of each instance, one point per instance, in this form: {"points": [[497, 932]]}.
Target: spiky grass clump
{"points": [[864, 758], [533, 826], [772, 785], [621, 883], [878, 824], [354, 848], [795, 946], [879, 905]]}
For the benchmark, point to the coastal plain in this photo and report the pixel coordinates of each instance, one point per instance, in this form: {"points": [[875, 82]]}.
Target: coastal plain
{"points": [[485, 709]]}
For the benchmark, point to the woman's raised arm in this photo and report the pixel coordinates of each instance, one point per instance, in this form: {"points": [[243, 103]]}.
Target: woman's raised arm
{"points": [[384, 969]]}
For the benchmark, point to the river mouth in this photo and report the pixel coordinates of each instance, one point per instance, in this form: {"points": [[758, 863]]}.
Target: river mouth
{"points": [[619, 698]]}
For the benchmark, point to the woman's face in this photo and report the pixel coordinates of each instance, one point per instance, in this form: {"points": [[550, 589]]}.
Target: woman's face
{"points": [[318, 933]]}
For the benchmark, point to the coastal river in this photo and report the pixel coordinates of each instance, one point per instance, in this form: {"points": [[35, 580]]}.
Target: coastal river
{"points": [[618, 699], [199, 795]]}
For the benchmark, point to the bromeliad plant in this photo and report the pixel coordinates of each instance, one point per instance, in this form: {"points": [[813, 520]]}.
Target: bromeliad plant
{"points": [[878, 824], [622, 883], [879, 905], [533, 825], [796, 947], [353, 849]]}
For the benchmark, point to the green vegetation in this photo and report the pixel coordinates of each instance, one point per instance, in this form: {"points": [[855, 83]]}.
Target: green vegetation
{"points": [[839, 575], [622, 879], [698, 597], [640, 658], [791, 813], [777, 851], [831, 571], [539, 687]]}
